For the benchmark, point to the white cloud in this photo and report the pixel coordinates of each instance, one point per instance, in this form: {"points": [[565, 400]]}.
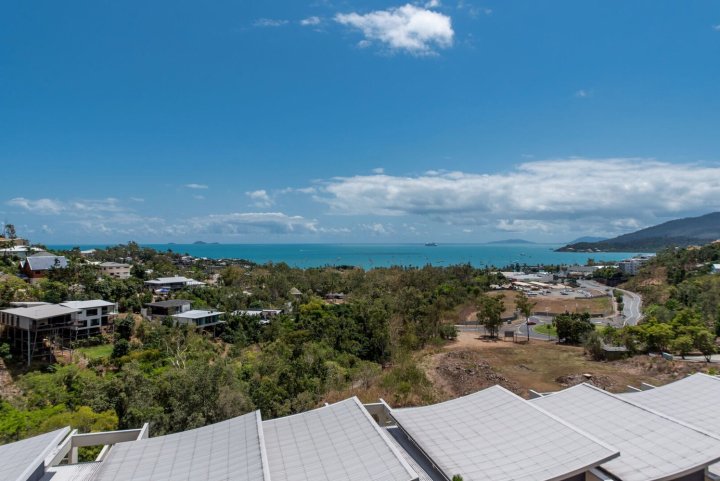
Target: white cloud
{"points": [[582, 93], [377, 228], [196, 186], [716, 27], [473, 11], [252, 223], [77, 207], [432, 4], [378, 170], [408, 28], [198, 197], [310, 21], [270, 22], [38, 206], [137, 199], [542, 196], [260, 198]]}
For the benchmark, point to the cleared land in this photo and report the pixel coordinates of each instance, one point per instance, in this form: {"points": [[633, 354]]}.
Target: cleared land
{"points": [[597, 306], [470, 364]]}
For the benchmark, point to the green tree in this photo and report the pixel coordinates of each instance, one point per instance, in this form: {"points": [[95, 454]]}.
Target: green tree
{"points": [[705, 343], [489, 314], [525, 306], [683, 345], [573, 328]]}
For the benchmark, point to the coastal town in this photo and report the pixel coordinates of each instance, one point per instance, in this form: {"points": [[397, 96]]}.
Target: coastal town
{"points": [[324, 240]]}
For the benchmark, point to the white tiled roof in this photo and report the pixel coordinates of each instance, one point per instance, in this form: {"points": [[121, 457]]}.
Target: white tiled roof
{"points": [[86, 304], [693, 400], [227, 451], [18, 461], [653, 446], [495, 435], [339, 442]]}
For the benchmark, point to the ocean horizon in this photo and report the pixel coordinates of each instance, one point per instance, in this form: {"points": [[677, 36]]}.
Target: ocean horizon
{"points": [[369, 256]]}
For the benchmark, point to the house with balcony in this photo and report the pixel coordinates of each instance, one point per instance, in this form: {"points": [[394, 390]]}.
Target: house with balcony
{"points": [[161, 309], [173, 283], [199, 318], [115, 269], [36, 329], [91, 317]]}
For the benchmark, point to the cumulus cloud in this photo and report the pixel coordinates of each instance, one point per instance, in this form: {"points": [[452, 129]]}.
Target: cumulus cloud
{"points": [[604, 194], [310, 21], [196, 186], [260, 198], [409, 28], [253, 223], [270, 22]]}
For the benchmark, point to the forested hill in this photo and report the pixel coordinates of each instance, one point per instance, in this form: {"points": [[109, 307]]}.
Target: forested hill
{"points": [[675, 233]]}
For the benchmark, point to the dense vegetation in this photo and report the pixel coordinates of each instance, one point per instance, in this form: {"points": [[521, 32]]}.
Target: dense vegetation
{"points": [[177, 378], [682, 304]]}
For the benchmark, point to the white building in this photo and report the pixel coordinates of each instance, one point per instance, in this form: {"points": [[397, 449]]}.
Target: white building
{"points": [[199, 318], [90, 316], [114, 269], [173, 283], [715, 269], [632, 266]]}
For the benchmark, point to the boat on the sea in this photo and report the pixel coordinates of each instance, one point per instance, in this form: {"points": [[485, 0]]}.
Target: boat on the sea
{"points": [[431, 244]]}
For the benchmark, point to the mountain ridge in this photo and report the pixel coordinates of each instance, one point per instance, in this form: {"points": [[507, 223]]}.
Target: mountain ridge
{"points": [[675, 233]]}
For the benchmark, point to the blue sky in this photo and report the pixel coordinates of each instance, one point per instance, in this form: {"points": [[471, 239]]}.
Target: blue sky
{"points": [[348, 121]]}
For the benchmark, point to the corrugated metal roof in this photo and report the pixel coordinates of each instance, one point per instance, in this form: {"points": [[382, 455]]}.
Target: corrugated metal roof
{"points": [[41, 312], [43, 263], [495, 435], [339, 442], [227, 451], [652, 446], [18, 461]]}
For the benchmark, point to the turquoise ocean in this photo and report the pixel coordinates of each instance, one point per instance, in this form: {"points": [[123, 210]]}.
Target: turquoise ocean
{"points": [[384, 255]]}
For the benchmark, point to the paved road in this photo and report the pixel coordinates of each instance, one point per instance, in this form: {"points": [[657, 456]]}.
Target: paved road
{"points": [[632, 303]]}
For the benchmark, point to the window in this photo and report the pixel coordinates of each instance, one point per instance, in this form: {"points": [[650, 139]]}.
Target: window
{"points": [[94, 322], [91, 312], [104, 321]]}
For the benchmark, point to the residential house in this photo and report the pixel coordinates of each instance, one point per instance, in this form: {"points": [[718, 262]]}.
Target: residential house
{"points": [[160, 309], [34, 330], [115, 269], [91, 316], [632, 266], [36, 266], [264, 314], [173, 283], [199, 318], [715, 269]]}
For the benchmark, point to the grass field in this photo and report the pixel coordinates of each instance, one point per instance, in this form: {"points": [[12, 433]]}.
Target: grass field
{"points": [[546, 329], [96, 352]]}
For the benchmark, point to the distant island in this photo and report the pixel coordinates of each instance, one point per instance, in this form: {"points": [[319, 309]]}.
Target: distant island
{"points": [[511, 241], [205, 243], [675, 233]]}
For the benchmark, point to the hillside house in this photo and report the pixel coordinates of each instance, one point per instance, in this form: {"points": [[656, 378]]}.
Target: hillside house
{"points": [[115, 269], [160, 309], [34, 330], [173, 283], [91, 316], [36, 266], [199, 318]]}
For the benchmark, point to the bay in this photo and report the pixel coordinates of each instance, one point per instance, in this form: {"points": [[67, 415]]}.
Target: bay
{"points": [[385, 255]]}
